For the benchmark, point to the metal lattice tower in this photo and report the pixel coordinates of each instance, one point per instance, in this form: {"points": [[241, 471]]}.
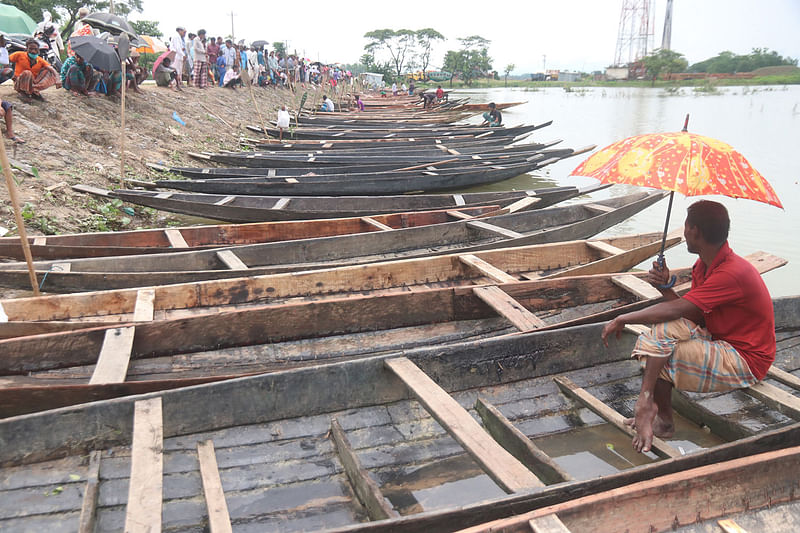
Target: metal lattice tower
{"points": [[635, 34], [666, 37]]}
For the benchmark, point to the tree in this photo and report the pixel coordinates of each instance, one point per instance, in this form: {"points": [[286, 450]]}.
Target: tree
{"points": [[147, 27], [728, 62], [65, 12], [507, 70], [471, 62], [398, 43], [279, 47], [664, 61], [425, 40]]}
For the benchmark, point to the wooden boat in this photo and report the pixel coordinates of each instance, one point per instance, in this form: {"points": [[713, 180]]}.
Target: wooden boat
{"points": [[45, 314], [761, 493], [273, 144], [346, 133], [250, 208], [385, 443], [485, 107], [539, 226]]}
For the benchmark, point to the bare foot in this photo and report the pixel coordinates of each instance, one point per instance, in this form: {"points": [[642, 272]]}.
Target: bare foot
{"points": [[662, 428], [644, 414]]}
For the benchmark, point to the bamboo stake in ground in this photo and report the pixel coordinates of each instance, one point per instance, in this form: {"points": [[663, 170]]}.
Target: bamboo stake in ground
{"points": [[23, 236], [123, 49], [246, 79]]}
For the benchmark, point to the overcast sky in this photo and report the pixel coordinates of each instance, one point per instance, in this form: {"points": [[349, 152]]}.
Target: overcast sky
{"points": [[572, 34]]}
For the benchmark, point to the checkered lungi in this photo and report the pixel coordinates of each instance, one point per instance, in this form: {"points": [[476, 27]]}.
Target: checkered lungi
{"points": [[200, 74], [696, 363], [28, 84]]}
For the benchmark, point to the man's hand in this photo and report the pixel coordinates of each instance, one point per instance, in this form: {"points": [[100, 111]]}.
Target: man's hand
{"points": [[658, 275], [615, 326]]}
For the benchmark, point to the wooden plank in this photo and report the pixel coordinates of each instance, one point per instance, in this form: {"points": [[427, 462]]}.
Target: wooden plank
{"points": [[143, 309], [519, 445], [175, 238], [495, 229], [365, 488], [61, 267], [488, 270], [271, 173], [219, 521], [459, 199], [547, 524], [482, 135], [458, 214], [729, 526], [115, 354], [639, 287], [226, 200], [374, 223], [291, 180], [163, 195], [790, 380], [89, 505], [512, 208], [604, 247], [231, 260], [145, 489], [571, 390], [39, 241], [281, 203], [509, 308], [778, 399], [599, 208], [507, 472]]}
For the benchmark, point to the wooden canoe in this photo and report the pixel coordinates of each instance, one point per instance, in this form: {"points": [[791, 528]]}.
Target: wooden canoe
{"points": [[552, 224], [45, 314], [79, 365], [389, 443], [252, 208], [345, 133]]}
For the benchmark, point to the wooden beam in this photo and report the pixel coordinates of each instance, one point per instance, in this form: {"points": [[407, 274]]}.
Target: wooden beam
{"points": [[163, 195], [519, 445], [292, 180], [226, 200], [512, 208], [115, 354], [458, 214], [281, 203], [375, 224], [778, 399], [145, 489], [494, 229], [790, 380], [365, 488], [729, 526], [547, 524], [219, 521], [599, 208], [89, 505], [721, 426], [487, 269], [143, 309], [231, 260], [507, 472], [175, 238], [604, 248], [639, 287], [509, 308], [570, 389], [459, 199], [61, 267], [39, 241]]}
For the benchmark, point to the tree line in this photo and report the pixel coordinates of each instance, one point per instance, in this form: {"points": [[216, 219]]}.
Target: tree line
{"points": [[65, 12]]}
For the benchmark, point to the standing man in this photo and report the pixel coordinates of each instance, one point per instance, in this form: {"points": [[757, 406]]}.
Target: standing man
{"points": [[200, 71], [212, 50], [719, 336], [178, 45]]}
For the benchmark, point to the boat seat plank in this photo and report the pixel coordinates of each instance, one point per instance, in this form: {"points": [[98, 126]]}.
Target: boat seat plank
{"points": [[374, 223], [115, 354], [639, 287], [777, 398], [271, 173], [89, 506], [145, 489], [365, 488], [599, 208], [291, 180], [524, 203], [511, 234], [231, 260], [547, 524], [729, 526], [281, 203], [508, 307], [784, 377], [226, 200], [175, 238], [459, 214], [163, 195], [570, 389], [501, 466], [219, 521], [604, 247], [459, 199], [487, 269], [482, 135], [519, 445], [39, 241], [61, 267], [143, 308]]}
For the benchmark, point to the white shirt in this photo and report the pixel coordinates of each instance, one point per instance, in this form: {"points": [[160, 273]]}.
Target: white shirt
{"points": [[4, 56], [177, 45], [283, 118]]}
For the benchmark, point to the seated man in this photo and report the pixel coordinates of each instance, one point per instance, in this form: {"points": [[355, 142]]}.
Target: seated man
{"points": [[492, 118], [232, 78], [165, 75], [78, 76], [719, 336], [327, 105], [32, 74]]}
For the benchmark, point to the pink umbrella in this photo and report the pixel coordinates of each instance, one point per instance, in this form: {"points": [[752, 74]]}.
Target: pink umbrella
{"points": [[168, 54]]}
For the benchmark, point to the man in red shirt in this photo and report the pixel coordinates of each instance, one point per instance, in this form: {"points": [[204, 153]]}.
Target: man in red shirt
{"points": [[719, 336]]}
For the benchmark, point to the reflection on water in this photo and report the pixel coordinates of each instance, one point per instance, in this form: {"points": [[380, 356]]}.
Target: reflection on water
{"points": [[760, 122]]}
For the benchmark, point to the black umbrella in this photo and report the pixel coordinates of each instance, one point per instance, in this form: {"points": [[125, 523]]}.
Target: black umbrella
{"points": [[110, 23], [258, 44], [96, 51]]}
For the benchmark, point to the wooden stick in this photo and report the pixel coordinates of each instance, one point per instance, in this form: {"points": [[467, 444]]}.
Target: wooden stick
{"points": [[246, 77], [428, 164], [122, 131], [23, 235]]}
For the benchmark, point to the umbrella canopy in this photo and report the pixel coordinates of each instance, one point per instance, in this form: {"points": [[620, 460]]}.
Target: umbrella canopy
{"points": [[110, 23], [260, 43], [13, 20], [96, 51], [160, 59], [150, 45]]}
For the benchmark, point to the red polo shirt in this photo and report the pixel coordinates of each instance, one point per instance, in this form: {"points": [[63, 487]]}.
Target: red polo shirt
{"points": [[737, 307]]}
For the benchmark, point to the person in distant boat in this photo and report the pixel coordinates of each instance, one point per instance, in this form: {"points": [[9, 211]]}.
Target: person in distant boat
{"points": [[439, 93], [411, 88], [492, 118], [718, 336], [394, 89], [428, 99], [359, 103], [327, 104], [283, 121]]}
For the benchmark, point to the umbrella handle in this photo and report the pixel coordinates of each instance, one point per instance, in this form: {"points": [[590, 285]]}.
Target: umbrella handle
{"points": [[672, 280]]}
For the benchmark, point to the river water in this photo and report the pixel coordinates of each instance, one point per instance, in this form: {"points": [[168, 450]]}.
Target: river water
{"points": [[763, 123]]}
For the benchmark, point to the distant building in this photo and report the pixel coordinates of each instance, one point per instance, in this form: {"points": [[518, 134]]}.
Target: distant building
{"points": [[569, 76], [617, 73], [372, 79]]}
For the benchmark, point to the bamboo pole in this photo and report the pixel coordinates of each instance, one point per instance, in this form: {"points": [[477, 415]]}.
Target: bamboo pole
{"points": [[122, 131], [23, 236], [246, 78]]}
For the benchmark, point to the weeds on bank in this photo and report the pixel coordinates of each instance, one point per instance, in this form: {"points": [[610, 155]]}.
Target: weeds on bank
{"points": [[40, 222], [108, 216]]}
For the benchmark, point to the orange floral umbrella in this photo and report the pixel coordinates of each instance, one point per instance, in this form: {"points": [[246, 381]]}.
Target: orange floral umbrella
{"points": [[688, 163]]}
